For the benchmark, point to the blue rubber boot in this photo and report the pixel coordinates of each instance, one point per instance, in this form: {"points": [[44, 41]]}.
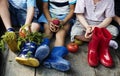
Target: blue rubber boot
{"points": [[56, 61], [26, 56], [43, 50]]}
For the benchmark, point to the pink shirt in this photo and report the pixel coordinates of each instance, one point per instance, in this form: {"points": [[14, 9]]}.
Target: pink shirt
{"points": [[98, 12]]}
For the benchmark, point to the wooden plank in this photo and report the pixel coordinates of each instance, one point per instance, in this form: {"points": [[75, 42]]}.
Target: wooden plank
{"points": [[15, 69], [80, 67], [114, 71], [41, 71], [3, 61]]}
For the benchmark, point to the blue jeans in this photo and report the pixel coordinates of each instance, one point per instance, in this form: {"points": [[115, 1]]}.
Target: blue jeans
{"points": [[18, 16]]}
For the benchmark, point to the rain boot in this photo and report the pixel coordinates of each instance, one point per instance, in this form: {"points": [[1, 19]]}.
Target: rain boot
{"points": [[105, 56], [26, 56], [43, 50], [56, 60], [93, 57], [11, 38]]}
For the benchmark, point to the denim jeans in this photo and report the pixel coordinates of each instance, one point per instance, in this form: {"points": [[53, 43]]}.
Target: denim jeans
{"points": [[18, 16]]}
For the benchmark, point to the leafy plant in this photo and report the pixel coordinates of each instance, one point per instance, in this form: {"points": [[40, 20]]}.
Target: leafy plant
{"points": [[32, 37], [35, 37], [2, 45], [9, 37]]}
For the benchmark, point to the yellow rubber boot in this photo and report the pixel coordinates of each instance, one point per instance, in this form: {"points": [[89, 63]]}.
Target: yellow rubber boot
{"points": [[28, 61], [11, 39]]}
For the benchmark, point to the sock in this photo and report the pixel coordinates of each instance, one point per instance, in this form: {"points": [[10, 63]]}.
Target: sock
{"points": [[113, 44], [11, 29]]}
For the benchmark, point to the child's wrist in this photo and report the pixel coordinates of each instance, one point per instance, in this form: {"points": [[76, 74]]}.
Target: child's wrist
{"points": [[49, 20]]}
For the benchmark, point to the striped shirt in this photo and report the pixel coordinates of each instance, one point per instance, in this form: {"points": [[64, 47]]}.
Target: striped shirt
{"points": [[98, 12], [59, 7]]}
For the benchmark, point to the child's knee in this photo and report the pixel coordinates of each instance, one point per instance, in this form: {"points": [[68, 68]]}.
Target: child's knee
{"points": [[113, 30]]}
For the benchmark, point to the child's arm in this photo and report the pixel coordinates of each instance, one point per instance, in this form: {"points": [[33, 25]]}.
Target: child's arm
{"points": [[108, 13], [70, 14], [30, 14], [105, 22], [82, 20], [84, 23], [117, 19], [46, 11], [29, 17]]}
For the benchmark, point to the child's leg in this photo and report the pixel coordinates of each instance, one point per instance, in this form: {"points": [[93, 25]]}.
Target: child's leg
{"points": [[77, 32], [114, 31], [117, 24], [56, 58], [4, 13], [43, 49], [48, 33], [81, 38], [60, 35], [35, 27]]}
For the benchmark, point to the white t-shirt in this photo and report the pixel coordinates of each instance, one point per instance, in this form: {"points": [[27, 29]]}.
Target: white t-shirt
{"points": [[98, 12]]}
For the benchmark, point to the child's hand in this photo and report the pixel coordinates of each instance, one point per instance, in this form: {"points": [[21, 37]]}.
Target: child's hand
{"points": [[88, 33], [23, 30], [26, 28], [62, 22], [92, 28], [54, 26]]}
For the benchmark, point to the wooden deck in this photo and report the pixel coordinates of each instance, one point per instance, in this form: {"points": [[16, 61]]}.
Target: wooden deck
{"points": [[79, 66]]}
